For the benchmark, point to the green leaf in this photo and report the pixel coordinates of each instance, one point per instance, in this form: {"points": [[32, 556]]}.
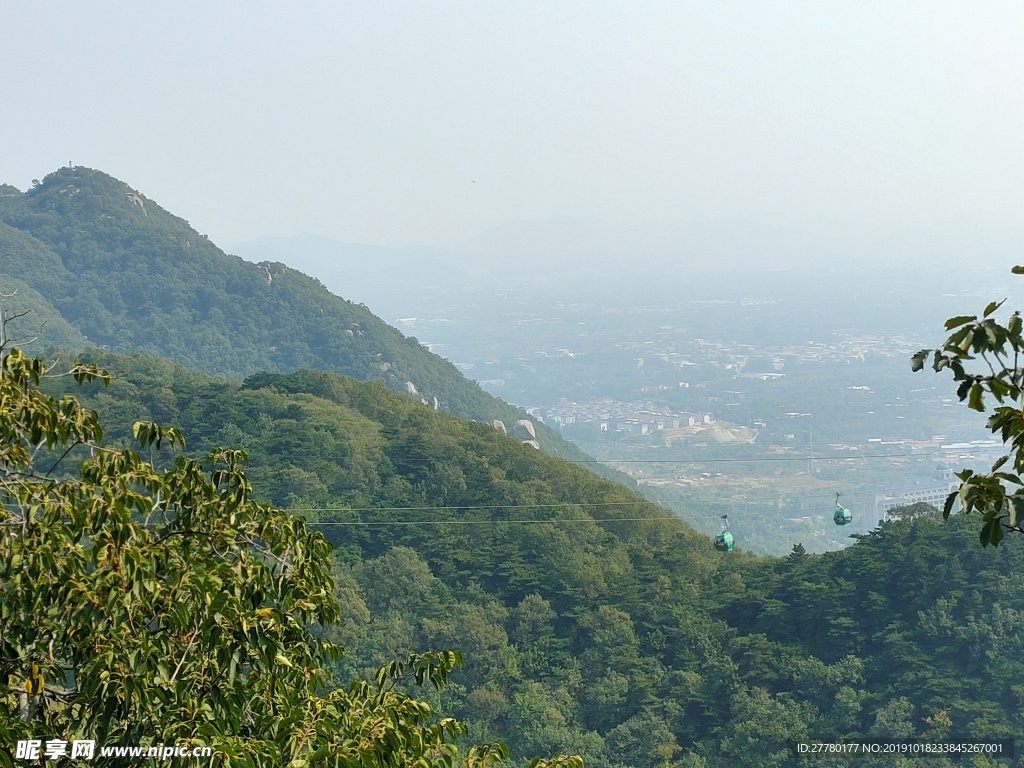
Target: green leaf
{"points": [[947, 508], [992, 307], [963, 390], [1015, 504], [997, 532], [1013, 327], [976, 400], [959, 320]]}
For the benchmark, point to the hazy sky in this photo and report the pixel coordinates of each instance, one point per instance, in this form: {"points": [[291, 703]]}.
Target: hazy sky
{"points": [[424, 123]]}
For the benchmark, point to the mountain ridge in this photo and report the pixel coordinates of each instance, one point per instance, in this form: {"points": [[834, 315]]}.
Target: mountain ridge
{"points": [[126, 274]]}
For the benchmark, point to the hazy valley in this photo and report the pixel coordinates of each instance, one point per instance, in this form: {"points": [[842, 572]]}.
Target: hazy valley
{"points": [[593, 621], [757, 394]]}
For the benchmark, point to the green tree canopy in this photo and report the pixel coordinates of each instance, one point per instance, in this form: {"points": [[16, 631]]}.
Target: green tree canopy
{"points": [[147, 605], [984, 358]]}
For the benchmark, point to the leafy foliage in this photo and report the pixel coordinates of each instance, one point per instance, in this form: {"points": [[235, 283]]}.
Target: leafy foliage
{"points": [[589, 623], [984, 358], [898, 636], [147, 605]]}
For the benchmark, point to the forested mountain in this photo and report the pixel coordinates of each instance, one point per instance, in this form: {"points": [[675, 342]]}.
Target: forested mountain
{"points": [[98, 261], [591, 623]]}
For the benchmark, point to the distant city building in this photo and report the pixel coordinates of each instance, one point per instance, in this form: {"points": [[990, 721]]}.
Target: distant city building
{"points": [[933, 490]]}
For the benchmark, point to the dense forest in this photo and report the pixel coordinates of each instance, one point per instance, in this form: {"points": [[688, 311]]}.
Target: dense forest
{"points": [[590, 622]]}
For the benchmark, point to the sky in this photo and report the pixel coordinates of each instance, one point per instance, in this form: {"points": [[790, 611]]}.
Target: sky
{"points": [[412, 123]]}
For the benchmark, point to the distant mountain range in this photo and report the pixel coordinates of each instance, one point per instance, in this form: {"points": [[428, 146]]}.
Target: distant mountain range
{"points": [[598, 261], [570, 251]]}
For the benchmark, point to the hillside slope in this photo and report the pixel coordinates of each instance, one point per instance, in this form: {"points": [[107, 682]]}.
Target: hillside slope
{"points": [[118, 270], [590, 622]]}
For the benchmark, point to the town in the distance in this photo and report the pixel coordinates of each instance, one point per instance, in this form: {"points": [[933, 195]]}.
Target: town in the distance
{"points": [[760, 395]]}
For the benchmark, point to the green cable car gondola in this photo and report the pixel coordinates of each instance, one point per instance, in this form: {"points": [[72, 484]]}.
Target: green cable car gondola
{"points": [[842, 516], [723, 541]]}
